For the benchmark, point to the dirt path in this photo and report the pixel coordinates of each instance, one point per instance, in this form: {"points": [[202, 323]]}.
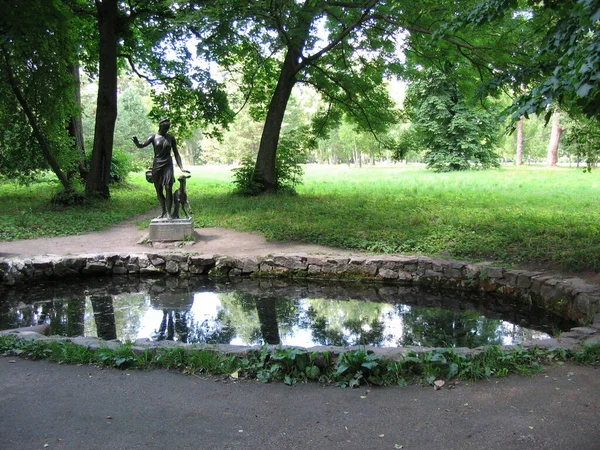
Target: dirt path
{"points": [[125, 237]]}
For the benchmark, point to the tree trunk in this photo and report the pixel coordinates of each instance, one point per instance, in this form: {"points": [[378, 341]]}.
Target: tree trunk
{"points": [[106, 110], [520, 141], [554, 139], [76, 317], [266, 173], [37, 131], [104, 316], [267, 316], [75, 126]]}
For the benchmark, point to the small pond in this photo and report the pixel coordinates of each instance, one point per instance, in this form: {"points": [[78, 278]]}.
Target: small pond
{"points": [[251, 312]]}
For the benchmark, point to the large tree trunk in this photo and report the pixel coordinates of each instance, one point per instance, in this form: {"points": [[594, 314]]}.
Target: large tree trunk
{"points": [[266, 173], [520, 141], [554, 139], [75, 126], [106, 110]]}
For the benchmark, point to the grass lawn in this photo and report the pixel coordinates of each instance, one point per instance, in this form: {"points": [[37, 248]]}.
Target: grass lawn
{"points": [[513, 216]]}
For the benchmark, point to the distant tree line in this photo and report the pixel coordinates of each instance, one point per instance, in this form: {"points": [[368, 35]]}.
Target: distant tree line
{"points": [[471, 65]]}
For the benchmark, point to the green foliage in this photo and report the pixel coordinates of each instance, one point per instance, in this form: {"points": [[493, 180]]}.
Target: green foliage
{"points": [[589, 354], [291, 153], [274, 47], [38, 66], [359, 367], [559, 44], [582, 140], [244, 178], [292, 365], [121, 166], [289, 365], [456, 134]]}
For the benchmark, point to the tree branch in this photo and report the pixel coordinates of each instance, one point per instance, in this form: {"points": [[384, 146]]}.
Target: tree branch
{"points": [[345, 32]]}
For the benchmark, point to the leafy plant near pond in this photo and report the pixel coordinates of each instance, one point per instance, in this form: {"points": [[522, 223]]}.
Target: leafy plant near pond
{"points": [[291, 365]]}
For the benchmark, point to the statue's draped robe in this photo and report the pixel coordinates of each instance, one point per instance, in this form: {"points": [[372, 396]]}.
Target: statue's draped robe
{"points": [[162, 169]]}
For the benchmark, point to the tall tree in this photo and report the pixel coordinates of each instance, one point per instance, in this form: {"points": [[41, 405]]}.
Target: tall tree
{"points": [[520, 141], [36, 47], [456, 134], [554, 139], [341, 49], [109, 25], [148, 37]]}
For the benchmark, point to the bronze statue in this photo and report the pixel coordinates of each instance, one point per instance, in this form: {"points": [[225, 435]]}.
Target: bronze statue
{"points": [[163, 175], [180, 198]]}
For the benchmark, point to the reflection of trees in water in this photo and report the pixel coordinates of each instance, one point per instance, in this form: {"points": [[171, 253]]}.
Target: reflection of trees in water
{"points": [[104, 316], [260, 319], [217, 331], [173, 323], [257, 317], [65, 317], [344, 323], [180, 325], [434, 327]]}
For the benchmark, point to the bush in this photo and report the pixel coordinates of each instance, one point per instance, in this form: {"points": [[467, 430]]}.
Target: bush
{"points": [[290, 154], [244, 178], [120, 167]]}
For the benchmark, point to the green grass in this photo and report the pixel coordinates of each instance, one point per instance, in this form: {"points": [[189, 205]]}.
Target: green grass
{"points": [[513, 216], [27, 212]]}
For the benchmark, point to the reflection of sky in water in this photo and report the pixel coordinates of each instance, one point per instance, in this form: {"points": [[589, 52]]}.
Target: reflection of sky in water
{"points": [[140, 316]]}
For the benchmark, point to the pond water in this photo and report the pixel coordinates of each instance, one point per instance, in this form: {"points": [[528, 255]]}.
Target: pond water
{"points": [[251, 312]]}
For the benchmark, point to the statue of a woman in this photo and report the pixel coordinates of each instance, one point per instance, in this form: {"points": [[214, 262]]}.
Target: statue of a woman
{"points": [[163, 175]]}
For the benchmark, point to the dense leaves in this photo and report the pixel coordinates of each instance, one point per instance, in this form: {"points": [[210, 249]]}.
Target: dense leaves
{"points": [[456, 134], [36, 89], [562, 42]]}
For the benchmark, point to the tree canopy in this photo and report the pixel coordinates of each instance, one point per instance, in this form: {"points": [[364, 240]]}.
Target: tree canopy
{"points": [[36, 98], [455, 133], [540, 52]]}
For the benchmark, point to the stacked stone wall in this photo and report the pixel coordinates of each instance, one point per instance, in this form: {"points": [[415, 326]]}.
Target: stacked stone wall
{"points": [[568, 297]]}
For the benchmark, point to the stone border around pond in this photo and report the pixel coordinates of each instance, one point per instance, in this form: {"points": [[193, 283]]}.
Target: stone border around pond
{"points": [[568, 297]]}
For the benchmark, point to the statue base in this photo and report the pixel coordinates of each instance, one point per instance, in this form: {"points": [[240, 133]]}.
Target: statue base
{"points": [[165, 230]]}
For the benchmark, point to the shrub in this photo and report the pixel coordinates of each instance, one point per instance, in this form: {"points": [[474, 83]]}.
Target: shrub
{"points": [[290, 154], [120, 167]]}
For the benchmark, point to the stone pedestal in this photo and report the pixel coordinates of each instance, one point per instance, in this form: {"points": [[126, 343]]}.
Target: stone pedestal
{"points": [[163, 230]]}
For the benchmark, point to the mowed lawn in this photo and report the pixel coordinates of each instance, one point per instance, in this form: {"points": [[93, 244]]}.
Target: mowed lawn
{"points": [[513, 216]]}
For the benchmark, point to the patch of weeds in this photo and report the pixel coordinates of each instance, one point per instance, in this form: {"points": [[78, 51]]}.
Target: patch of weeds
{"points": [[72, 353], [291, 365], [171, 358], [589, 354], [358, 367], [122, 357], [206, 361]]}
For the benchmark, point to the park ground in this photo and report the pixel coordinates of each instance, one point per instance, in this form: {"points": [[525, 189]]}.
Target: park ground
{"points": [[48, 405]]}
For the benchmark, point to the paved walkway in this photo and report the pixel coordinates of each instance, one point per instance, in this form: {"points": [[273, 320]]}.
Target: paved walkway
{"points": [[46, 405]]}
